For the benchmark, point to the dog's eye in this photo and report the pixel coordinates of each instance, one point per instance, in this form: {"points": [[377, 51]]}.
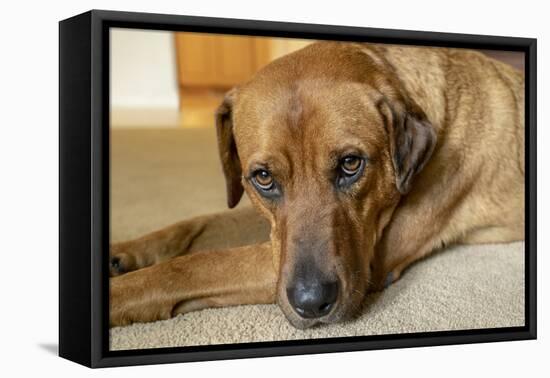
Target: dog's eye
{"points": [[351, 165], [349, 170], [263, 179]]}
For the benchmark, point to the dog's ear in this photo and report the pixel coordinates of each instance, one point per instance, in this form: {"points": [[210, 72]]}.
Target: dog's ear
{"points": [[412, 140], [228, 150]]}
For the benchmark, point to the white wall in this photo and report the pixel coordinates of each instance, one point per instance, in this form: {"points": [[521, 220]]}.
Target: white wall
{"points": [[144, 88]]}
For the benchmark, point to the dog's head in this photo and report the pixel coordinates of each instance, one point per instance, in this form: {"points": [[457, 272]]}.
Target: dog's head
{"points": [[324, 141]]}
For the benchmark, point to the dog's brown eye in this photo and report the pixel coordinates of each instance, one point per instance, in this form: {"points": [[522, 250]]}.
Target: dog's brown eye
{"points": [[351, 165], [263, 179]]}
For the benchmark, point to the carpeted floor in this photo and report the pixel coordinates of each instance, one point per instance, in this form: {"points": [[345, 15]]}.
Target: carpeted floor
{"points": [[163, 176]]}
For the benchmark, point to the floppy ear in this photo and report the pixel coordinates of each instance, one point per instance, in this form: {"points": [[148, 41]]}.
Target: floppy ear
{"points": [[412, 141], [228, 150]]}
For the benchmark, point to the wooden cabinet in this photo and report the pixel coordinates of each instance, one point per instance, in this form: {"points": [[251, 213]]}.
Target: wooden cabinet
{"points": [[210, 64], [218, 61]]}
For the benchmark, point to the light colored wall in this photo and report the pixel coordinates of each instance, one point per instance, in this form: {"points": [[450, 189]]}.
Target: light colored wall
{"points": [[144, 90]]}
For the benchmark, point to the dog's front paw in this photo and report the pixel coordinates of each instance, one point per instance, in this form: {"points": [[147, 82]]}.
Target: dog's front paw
{"points": [[120, 262], [134, 300]]}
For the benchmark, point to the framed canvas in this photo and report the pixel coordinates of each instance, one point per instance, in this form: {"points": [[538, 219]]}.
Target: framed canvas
{"points": [[234, 188]]}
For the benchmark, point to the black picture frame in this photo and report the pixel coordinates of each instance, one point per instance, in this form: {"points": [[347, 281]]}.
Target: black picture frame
{"points": [[84, 187]]}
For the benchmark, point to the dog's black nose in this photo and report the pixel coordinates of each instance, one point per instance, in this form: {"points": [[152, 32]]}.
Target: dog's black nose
{"points": [[313, 299]]}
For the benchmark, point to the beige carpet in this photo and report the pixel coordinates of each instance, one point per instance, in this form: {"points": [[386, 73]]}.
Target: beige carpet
{"points": [[160, 177]]}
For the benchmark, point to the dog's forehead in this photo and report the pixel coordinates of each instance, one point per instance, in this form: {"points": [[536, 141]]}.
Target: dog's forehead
{"points": [[324, 112]]}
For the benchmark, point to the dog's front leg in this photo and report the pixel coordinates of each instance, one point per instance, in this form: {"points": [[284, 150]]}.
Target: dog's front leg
{"points": [[155, 247], [239, 227], [243, 275]]}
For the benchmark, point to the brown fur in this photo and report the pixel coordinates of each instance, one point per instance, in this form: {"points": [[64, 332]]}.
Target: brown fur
{"points": [[442, 130]]}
